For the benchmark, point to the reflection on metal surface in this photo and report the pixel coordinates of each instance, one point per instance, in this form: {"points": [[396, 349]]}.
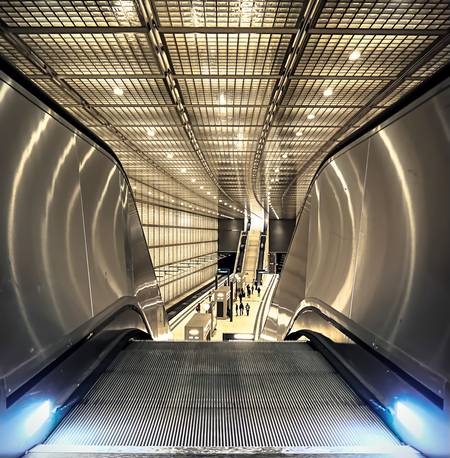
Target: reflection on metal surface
{"points": [[378, 244], [71, 244]]}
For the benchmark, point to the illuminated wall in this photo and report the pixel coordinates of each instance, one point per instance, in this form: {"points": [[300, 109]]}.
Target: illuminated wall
{"points": [[182, 240]]}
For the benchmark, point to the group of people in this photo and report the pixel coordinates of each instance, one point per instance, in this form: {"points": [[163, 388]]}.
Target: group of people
{"points": [[240, 308]]}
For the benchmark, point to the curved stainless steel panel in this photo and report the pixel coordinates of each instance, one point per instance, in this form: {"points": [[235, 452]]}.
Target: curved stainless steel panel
{"points": [[405, 237], [42, 255], [145, 284], [106, 229], [379, 244], [336, 201], [290, 289], [71, 243]]}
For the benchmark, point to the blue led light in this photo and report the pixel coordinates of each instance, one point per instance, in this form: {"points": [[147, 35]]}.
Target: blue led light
{"points": [[38, 417], [409, 417]]}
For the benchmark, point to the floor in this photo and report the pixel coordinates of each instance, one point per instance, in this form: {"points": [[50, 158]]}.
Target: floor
{"points": [[240, 324]]}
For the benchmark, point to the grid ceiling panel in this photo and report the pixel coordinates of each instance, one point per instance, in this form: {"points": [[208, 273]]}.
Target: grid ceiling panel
{"points": [[225, 13], [16, 58], [138, 116], [51, 13], [345, 92], [382, 56], [144, 92], [227, 54], [223, 116], [417, 14], [91, 54], [227, 91], [227, 81]]}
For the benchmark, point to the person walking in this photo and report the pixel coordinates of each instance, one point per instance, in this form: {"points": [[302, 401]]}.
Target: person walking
{"points": [[237, 308], [197, 308], [259, 290], [247, 308], [241, 309], [253, 289]]}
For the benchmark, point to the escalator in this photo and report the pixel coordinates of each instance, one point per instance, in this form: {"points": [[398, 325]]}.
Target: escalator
{"points": [[84, 370], [175, 397]]}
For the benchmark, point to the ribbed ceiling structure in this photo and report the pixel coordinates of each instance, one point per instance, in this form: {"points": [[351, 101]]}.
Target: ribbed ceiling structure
{"points": [[219, 102]]}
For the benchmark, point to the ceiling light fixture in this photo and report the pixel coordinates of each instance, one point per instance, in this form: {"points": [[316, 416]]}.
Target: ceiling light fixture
{"points": [[277, 170], [299, 133], [118, 90], [209, 193], [202, 187], [183, 170], [193, 180], [169, 155], [222, 99], [355, 55], [284, 156], [151, 132], [311, 116], [327, 92]]}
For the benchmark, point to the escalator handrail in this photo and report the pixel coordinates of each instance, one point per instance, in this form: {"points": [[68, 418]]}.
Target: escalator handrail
{"points": [[342, 323]]}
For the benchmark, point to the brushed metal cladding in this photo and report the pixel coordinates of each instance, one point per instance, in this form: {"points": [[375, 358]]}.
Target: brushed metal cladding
{"points": [[106, 229], [290, 289], [145, 284], [56, 189], [402, 287], [176, 394], [44, 290], [334, 221]]}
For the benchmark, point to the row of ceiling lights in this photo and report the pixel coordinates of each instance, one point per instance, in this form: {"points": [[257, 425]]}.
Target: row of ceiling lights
{"points": [[328, 92], [199, 208]]}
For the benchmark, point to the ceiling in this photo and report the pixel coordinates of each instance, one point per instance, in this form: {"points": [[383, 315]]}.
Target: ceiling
{"points": [[225, 104]]}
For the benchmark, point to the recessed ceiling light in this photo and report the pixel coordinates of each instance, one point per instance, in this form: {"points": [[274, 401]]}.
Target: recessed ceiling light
{"points": [[202, 187], [149, 193], [284, 156], [182, 204], [299, 133], [277, 170], [172, 200], [183, 170], [327, 92], [272, 180], [215, 197], [209, 193], [355, 55], [277, 180], [151, 132], [220, 200], [169, 155], [193, 180], [222, 99], [311, 116], [118, 90]]}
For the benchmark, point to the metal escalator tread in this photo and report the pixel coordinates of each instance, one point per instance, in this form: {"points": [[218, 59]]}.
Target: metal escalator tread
{"points": [[175, 394]]}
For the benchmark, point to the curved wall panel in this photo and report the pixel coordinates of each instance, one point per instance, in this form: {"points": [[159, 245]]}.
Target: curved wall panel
{"points": [[72, 250], [378, 249]]}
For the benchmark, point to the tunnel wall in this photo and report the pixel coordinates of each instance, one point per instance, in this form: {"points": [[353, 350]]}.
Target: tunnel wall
{"points": [[375, 236], [72, 250]]}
